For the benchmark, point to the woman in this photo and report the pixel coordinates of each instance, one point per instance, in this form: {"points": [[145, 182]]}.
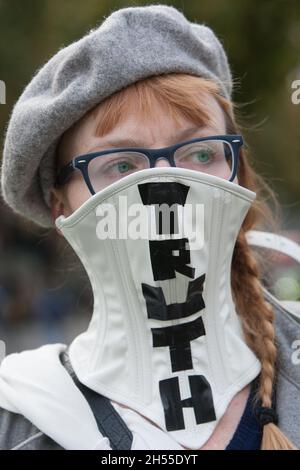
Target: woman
{"points": [[185, 357]]}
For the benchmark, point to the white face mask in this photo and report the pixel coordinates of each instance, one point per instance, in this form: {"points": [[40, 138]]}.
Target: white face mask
{"points": [[164, 339]]}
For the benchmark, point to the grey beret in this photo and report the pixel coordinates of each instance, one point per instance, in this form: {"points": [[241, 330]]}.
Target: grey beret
{"points": [[131, 44]]}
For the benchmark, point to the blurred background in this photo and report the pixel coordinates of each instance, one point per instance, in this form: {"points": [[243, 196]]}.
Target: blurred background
{"points": [[45, 295]]}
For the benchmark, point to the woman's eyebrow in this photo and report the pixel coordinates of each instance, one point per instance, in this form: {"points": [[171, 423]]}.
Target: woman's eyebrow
{"points": [[129, 142]]}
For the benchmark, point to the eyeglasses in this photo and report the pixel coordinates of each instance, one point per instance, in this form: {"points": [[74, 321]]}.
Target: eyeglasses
{"points": [[216, 155]]}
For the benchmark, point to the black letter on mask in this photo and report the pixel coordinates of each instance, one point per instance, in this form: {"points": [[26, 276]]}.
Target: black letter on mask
{"points": [[178, 338], [158, 309], [162, 196], [201, 400], [160, 193], [165, 263]]}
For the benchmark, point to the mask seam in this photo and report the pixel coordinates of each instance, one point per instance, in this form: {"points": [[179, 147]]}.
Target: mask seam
{"points": [[129, 297], [220, 337], [93, 280], [214, 248]]}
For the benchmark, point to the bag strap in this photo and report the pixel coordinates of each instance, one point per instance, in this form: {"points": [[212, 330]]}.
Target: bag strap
{"points": [[109, 422], [275, 242], [286, 246]]}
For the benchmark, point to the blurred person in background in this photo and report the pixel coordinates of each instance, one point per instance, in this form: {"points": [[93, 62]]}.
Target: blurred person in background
{"points": [[140, 109]]}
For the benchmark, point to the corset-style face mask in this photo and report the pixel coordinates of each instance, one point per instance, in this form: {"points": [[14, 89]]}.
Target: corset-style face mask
{"points": [[164, 339]]}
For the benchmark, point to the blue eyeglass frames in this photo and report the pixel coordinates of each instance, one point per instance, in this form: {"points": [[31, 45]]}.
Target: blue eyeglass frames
{"points": [[232, 145]]}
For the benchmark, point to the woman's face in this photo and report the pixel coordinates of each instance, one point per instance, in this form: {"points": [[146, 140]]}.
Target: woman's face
{"points": [[159, 130]]}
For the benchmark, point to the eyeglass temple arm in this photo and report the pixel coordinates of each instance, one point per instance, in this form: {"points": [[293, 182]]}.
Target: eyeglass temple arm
{"points": [[64, 173]]}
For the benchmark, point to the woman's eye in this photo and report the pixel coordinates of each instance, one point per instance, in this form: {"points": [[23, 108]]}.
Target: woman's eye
{"points": [[202, 156], [123, 166]]}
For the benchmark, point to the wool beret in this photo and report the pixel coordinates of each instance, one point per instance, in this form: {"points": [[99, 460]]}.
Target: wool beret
{"points": [[130, 44]]}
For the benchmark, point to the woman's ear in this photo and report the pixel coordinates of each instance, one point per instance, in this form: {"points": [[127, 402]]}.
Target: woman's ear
{"points": [[57, 205]]}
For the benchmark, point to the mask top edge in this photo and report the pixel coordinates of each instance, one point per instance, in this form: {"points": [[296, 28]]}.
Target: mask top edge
{"points": [[152, 173]]}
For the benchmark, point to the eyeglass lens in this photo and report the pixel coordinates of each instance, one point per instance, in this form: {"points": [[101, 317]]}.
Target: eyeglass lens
{"points": [[214, 157]]}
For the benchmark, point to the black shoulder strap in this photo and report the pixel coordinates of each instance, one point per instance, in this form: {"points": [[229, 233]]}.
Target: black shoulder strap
{"points": [[109, 422]]}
